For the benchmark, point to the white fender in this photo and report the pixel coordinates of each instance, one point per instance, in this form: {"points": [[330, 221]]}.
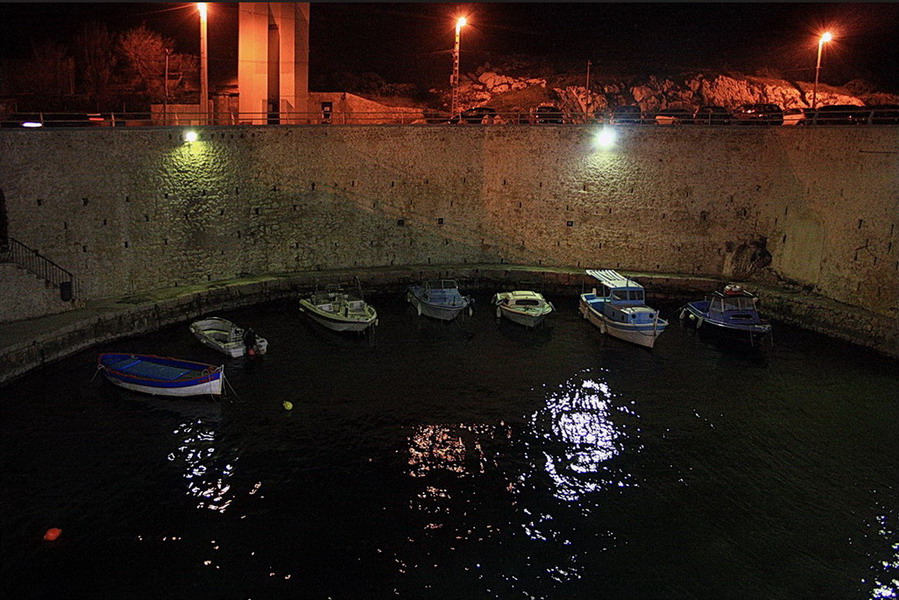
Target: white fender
{"points": [[699, 322], [418, 309], [602, 327], [683, 313], [499, 312]]}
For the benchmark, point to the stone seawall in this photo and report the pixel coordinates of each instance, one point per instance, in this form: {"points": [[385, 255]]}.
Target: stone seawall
{"points": [[130, 210], [30, 344]]}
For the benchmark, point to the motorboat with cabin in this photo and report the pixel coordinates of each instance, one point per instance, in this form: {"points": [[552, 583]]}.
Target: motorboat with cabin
{"points": [[617, 306], [733, 310]]}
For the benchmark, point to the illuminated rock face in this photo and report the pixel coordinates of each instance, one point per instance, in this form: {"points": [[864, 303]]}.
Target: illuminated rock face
{"points": [[131, 209], [486, 87]]}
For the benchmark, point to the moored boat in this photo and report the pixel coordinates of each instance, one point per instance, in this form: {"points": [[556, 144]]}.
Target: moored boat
{"points": [[438, 299], [339, 310], [523, 307], [161, 375], [226, 337], [733, 310], [618, 309]]}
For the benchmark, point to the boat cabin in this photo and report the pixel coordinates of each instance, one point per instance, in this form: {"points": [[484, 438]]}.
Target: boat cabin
{"points": [[739, 306]]}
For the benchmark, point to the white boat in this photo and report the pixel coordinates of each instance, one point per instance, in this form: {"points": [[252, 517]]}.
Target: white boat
{"points": [[522, 306], [226, 337], [438, 299], [618, 309], [161, 375], [339, 310]]}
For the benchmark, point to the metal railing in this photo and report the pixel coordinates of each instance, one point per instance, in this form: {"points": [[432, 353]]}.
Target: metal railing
{"points": [[479, 116], [16, 252]]}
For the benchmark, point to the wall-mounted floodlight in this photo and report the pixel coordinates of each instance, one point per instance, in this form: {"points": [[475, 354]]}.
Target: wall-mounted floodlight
{"points": [[32, 124], [190, 136], [605, 138]]}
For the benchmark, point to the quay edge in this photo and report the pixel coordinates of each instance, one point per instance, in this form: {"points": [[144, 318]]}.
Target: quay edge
{"points": [[30, 344]]}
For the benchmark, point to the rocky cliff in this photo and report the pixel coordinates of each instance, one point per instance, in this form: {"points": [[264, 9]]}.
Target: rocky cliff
{"points": [[507, 93]]}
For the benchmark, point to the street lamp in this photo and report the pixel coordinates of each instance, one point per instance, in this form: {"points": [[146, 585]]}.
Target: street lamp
{"points": [[204, 67], [824, 38], [460, 23]]}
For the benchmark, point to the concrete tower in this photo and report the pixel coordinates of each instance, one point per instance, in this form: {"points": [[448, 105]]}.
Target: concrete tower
{"points": [[273, 62]]}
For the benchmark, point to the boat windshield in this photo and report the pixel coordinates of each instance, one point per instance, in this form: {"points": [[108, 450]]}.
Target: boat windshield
{"points": [[738, 303], [442, 284], [626, 294]]}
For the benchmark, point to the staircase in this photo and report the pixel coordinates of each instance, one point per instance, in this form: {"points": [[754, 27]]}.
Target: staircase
{"points": [[18, 253]]}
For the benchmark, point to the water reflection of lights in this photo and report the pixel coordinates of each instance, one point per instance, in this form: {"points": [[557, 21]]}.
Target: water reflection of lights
{"points": [[582, 439], [886, 579], [206, 477], [452, 448]]}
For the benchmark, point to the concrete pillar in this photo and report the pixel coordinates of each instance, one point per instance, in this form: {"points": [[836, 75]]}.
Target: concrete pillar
{"points": [[273, 59]]}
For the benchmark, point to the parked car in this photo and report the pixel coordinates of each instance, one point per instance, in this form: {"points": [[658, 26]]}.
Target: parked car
{"points": [[758, 114], [479, 114], [549, 114], [885, 114], [798, 116], [674, 116], [841, 114], [711, 115], [626, 114]]}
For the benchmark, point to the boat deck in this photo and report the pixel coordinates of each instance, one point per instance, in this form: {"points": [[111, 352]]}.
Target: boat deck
{"points": [[141, 368]]}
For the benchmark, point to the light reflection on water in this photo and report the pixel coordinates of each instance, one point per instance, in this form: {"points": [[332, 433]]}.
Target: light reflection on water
{"points": [[205, 471], [555, 464], [885, 583], [581, 439]]}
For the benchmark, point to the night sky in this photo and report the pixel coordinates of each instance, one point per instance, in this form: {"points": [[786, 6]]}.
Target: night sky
{"points": [[410, 42]]}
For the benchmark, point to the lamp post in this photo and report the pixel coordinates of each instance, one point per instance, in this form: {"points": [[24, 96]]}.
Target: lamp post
{"points": [[460, 23], [204, 68], [824, 38]]}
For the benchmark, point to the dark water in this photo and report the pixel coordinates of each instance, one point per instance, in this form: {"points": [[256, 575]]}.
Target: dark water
{"points": [[473, 459]]}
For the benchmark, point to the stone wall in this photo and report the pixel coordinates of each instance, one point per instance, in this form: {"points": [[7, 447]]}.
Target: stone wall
{"points": [[134, 209]]}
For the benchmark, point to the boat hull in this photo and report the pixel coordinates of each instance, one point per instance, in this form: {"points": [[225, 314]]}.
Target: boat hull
{"points": [[528, 320], [335, 322], [162, 376], [694, 314], [209, 388], [641, 334]]}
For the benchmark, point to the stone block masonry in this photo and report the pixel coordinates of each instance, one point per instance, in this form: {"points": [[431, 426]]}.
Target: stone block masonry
{"points": [[129, 210]]}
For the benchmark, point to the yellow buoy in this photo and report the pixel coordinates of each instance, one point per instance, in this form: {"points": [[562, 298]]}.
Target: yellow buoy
{"points": [[288, 405]]}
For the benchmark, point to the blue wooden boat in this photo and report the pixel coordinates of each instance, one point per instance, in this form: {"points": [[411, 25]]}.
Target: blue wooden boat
{"points": [[161, 375], [733, 310], [618, 309], [439, 299]]}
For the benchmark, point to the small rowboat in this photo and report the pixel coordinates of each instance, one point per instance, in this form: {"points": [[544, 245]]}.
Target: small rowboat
{"points": [[161, 375], [226, 337], [522, 306], [438, 299]]}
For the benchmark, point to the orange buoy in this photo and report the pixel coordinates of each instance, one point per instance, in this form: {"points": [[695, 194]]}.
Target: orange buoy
{"points": [[51, 534]]}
